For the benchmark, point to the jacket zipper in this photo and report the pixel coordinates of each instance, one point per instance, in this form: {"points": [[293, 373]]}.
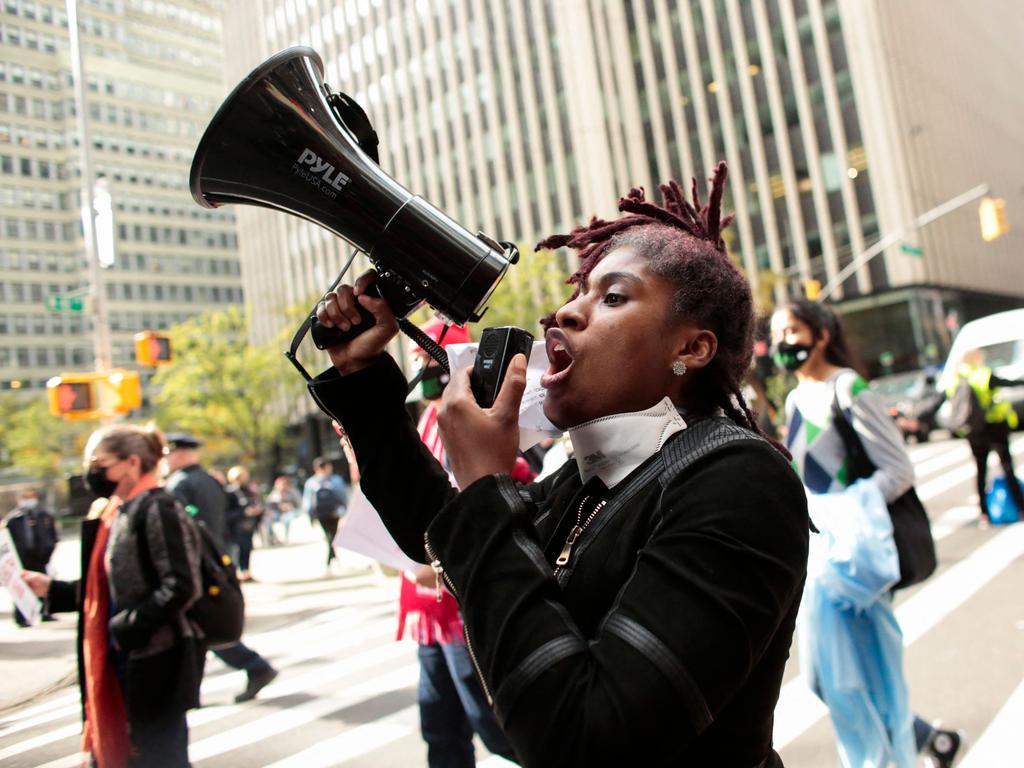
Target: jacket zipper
{"points": [[563, 558], [439, 574]]}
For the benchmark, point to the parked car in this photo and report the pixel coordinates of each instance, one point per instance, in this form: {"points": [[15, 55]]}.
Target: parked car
{"points": [[1001, 338], [912, 400]]}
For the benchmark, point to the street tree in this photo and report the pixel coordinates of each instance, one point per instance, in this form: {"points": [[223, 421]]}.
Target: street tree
{"points": [[233, 394]]}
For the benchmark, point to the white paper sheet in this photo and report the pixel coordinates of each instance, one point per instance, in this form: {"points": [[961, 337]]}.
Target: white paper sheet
{"points": [[31, 607]]}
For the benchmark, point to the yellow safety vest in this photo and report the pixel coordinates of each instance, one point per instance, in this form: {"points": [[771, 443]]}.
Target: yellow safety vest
{"points": [[996, 409]]}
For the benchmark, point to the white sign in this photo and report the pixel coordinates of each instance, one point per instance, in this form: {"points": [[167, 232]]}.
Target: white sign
{"points": [[363, 532], [10, 576]]}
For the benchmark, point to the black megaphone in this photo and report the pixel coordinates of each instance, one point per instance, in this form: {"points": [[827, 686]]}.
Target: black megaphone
{"points": [[283, 140]]}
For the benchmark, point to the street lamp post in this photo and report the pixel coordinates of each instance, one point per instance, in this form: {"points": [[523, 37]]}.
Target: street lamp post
{"points": [[100, 322], [894, 237]]}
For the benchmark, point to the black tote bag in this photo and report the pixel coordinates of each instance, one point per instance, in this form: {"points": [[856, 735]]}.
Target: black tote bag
{"points": [[911, 530]]}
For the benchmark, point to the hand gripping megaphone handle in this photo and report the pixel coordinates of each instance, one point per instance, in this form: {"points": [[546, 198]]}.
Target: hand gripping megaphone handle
{"points": [[325, 337]]}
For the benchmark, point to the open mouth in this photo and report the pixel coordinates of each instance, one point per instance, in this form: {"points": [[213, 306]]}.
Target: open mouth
{"points": [[560, 358]]}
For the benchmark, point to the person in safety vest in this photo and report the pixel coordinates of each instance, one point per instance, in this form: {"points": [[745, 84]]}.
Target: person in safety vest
{"points": [[993, 431]]}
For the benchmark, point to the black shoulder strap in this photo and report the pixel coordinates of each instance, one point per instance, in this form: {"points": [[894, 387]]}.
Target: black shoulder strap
{"points": [[858, 462], [145, 558], [700, 439]]}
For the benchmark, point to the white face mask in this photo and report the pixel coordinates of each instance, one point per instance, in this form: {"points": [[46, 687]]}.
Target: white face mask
{"points": [[613, 446], [28, 503]]}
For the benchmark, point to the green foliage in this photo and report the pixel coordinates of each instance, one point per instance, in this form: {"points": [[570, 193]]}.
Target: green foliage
{"points": [[36, 443], [531, 289], [232, 394]]}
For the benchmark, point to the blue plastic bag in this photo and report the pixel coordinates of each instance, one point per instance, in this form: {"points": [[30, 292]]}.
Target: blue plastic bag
{"points": [[851, 646], [1002, 509]]}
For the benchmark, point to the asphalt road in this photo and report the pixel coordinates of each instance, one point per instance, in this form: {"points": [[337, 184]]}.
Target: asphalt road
{"points": [[346, 692]]}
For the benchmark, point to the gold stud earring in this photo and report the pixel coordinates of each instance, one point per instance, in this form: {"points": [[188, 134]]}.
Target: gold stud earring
{"points": [[678, 367]]}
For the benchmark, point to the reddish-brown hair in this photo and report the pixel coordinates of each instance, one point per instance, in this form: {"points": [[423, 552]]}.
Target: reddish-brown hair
{"points": [[683, 241]]}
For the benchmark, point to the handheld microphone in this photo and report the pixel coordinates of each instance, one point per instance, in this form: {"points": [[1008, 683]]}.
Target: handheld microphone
{"points": [[497, 348]]}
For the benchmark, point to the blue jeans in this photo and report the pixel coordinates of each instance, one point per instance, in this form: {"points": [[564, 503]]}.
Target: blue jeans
{"points": [[452, 707]]}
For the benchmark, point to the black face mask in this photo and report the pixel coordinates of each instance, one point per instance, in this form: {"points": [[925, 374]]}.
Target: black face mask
{"points": [[791, 356], [97, 481]]}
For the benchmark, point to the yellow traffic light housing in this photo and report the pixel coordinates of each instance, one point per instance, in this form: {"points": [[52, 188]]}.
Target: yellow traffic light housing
{"points": [[812, 289], [153, 348], [81, 396], [992, 215], [75, 396]]}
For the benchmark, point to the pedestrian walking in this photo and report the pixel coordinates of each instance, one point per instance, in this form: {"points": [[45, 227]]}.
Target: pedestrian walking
{"points": [[248, 515], [990, 432], [206, 500], [324, 498], [284, 504], [636, 607], [34, 534], [873, 722], [140, 658]]}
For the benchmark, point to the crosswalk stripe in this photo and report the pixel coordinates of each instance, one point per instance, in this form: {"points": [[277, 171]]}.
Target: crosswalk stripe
{"points": [[41, 741], [355, 742], [798, 709], [46, 706], [301, 714], [999, 745], [962, 473]]}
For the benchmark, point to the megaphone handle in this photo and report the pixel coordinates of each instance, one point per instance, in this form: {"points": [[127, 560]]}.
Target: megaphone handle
{"points": [[325, 338]]}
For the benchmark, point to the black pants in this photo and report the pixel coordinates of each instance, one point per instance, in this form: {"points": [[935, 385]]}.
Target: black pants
{"points": [[330, 526], [241, 656], [160, 743], [994, 437]]}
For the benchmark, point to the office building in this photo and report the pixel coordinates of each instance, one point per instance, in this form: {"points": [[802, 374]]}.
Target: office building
{"points": [[152, 80], [841, 120]]}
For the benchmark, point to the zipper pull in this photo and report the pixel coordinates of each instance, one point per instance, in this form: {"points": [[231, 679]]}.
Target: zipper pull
{"points": [[438, 570], [574, 534]]}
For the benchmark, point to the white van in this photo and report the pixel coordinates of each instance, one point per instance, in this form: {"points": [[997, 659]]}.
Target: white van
{"points": [[1001, 338]]}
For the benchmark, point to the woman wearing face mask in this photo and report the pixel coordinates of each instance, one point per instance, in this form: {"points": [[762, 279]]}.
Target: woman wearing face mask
{"points": [[637, 606], [810, 341], [140, 661]]}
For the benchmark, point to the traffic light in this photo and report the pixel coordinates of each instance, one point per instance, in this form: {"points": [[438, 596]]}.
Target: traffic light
{"points": [[812, 289], [152, 348], [992, 214], [75, 396], [80, 396], [127, 390]]}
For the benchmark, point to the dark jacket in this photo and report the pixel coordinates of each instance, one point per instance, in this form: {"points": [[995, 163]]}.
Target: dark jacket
{"points": [[163, 657], [665, 639], [194, 486]]}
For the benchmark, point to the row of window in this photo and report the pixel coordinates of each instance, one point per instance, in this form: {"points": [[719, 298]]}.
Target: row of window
{"points": [[31, 136], [41, 109], [36, 293], [43, 357], [39, 261], [19, 74], [225, 294], [196, 238], [27, 38], [30, 229], [49, 324], [27, 197]]}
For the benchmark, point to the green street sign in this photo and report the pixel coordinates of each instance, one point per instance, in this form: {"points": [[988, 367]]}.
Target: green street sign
{"points": [[58, 303], [912, 250]]}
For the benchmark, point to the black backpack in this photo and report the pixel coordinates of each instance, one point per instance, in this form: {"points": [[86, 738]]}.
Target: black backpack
{"points": [[326, 502], [220, 609]]}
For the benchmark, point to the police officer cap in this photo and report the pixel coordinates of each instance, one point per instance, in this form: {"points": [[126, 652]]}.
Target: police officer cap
{"points": [[176, 440]]}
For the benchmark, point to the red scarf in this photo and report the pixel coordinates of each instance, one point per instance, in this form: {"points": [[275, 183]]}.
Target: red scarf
{"points": [[105, 735]]}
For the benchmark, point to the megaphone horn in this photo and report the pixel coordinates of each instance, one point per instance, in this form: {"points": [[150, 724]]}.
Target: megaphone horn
{"points": [[282, 140]]}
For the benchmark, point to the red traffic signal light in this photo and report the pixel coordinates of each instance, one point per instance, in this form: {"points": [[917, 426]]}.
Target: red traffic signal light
{"points": [[75, 395], [152, 348]]}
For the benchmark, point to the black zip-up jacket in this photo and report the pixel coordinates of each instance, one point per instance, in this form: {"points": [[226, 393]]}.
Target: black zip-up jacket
{"points": [[662, 642]]}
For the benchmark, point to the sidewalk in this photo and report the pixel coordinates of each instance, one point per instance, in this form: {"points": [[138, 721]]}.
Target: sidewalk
{"points": [[37, 660]]}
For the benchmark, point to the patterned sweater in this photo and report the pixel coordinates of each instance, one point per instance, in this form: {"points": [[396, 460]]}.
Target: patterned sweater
{"points": [[818, 453]]}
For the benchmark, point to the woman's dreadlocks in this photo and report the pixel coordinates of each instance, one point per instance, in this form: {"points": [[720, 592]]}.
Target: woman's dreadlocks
{"points": [[683, 240]]}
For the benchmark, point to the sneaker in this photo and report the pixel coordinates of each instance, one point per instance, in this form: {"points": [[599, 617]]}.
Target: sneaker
{"points": [[943, 748], [257, 682]]}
